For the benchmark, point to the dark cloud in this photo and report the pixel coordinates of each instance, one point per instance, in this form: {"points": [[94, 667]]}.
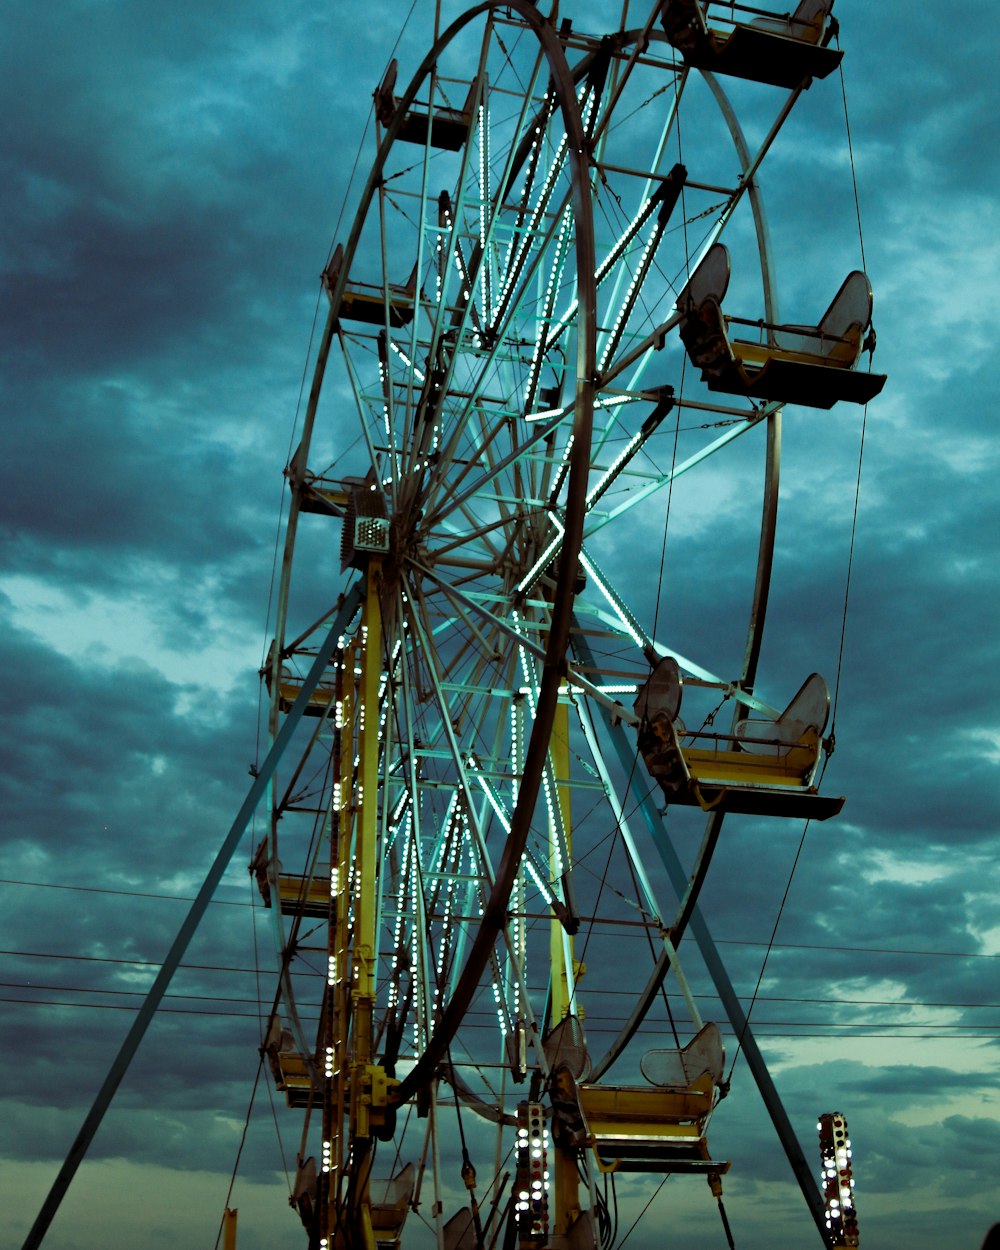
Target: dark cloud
{"points": [[173, 177]]}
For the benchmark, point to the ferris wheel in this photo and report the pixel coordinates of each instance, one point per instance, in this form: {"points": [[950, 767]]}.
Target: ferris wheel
{"points": [[552, 374]]}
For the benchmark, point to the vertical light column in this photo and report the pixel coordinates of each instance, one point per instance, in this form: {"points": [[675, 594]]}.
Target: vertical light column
{"points": [[365, 850], [338, 952], [837, 1179]]}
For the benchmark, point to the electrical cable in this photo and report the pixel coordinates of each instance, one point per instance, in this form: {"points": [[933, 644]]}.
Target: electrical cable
{"points": [[767, 953], [239, 1151]]}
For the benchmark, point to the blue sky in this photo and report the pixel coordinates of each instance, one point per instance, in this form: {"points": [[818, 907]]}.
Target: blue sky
{"points": [[172, 179]]}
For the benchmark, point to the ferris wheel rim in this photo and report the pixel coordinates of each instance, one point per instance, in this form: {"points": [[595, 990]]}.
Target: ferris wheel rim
{"points": [[562, 80], [411, 1082]]}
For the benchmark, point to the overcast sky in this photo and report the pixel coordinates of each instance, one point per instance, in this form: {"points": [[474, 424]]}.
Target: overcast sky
{"points": [[172, 176]]}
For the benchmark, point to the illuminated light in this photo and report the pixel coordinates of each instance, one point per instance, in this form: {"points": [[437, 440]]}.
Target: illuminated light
{"points": [[612, 599], [545, 312], [837, 1182], [555, 822], [530, 1187], [543, 560], [514, 264], [484, 263], [408, 363], [547, 412]]}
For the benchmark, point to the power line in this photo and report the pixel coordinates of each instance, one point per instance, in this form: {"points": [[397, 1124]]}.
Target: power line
{"points": [[768, 1029], [131, 963], [187, 1011], [95, 889], [591, 1015], [859, 950], [89, 989], [802, 946], [485, 1015]]}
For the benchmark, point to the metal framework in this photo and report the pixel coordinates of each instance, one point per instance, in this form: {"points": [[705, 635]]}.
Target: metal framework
{"points": [[468, 860], [501, 407]]}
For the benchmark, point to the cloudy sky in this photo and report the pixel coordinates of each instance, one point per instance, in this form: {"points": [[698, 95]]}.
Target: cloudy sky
{"points": [[172, 177]]}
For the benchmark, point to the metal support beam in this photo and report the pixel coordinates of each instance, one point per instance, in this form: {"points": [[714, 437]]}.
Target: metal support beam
{"points": [[713, 961], [348, 608]]}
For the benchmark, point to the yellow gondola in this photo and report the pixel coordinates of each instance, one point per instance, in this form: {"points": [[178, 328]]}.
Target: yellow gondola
{"points": [[371, 305], [764, 768], [781, 49], [796, 364], [446, 128]]}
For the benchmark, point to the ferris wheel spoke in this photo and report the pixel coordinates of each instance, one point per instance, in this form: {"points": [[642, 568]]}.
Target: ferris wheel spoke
{"points": [[480, 266], [380, 440], [458, 757], [622, 308], [637, 866], [472, 604], [638, 41], [597, 521], [450, 930], [505, 339], [452, 498]]}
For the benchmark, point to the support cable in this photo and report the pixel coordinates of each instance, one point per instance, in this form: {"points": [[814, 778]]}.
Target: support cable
{"points": [[774, 932], [832, 737], [239, 1152], [850, 153], [644, 1209], [864, 426]]}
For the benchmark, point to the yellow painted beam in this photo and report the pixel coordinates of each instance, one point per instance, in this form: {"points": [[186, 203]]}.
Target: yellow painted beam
{"points": [[565, 1175], [229, 1229]]}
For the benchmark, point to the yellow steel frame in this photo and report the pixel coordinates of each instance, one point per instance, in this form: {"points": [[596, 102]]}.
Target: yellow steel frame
{"points": [[358, 1088], [565, 1175]]}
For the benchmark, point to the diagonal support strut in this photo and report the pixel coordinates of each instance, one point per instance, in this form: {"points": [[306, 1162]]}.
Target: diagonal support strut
{"points": [[726, 991], [348, 608]]}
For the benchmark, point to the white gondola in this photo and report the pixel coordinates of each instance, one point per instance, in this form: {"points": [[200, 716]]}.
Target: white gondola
{"points": [[658, 1127]]}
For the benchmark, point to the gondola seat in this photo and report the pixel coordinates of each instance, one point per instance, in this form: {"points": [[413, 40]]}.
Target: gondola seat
{"points": [[811, 365], [371, 305], [389, 1203], [447, 128], [659, 1127], [290, 687], [299, 895], [306, 1190], [764, 768], [288, 1067], [782, 50]]}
